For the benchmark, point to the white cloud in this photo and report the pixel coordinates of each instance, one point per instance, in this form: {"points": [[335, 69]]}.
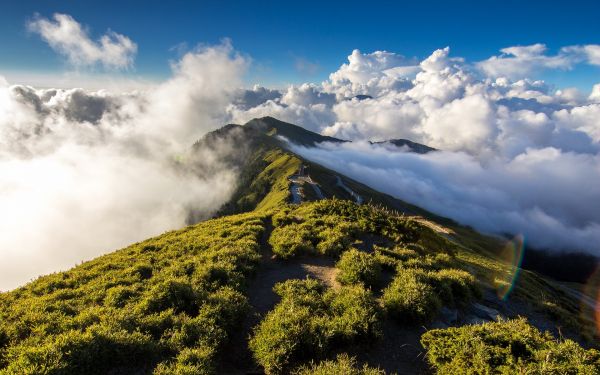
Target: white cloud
{"points": [[589, 53], [66, 36], [519, 156], [520, 61], [87, 172], [367, 74], [550, 196], [595, 94]]}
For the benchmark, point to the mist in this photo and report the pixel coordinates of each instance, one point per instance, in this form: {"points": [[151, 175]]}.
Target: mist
{"points": [[83, 173], [549, 196]]}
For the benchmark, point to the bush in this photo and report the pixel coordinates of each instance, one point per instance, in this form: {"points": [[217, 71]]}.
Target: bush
{"points": [[353, 315], [343, 365], [358, 267], [196, 361], [118, 296], [309, 322], [290, 240], [410, 299], [176, 294], [461, 285], [92, 352], [173, 299], [506, 347], [335, 239]]}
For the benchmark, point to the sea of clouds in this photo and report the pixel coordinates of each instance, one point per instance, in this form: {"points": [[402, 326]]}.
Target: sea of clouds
{"points": [[83, 172], [517, 156]]}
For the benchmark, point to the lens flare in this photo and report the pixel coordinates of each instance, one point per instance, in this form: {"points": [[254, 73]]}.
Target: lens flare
{"points": [[590, 300], [512, 254]]}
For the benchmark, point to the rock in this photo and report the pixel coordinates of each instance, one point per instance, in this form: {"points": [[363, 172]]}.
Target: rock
{"points": [[485, 312], [448, 316]]}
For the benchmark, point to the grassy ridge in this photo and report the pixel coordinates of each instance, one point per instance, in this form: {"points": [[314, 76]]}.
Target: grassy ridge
{"points": [[166, 305]]}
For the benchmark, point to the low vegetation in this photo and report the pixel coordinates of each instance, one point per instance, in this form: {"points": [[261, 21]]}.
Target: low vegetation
{"points": [[343, 365], [310, 321], [506, 347], [330, 227], [358, 267], [166, 305]]}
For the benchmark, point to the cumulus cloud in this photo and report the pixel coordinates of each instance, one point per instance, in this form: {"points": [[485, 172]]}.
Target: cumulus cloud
{"points": [[550, 196], [520, 61], [66, 36], [87, 172], [367, 74]]}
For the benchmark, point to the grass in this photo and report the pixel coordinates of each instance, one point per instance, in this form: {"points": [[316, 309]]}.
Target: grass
{"points": [[167, 304], [310, 322], [506, 347]]}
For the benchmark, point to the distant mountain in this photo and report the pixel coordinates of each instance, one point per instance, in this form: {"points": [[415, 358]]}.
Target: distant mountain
{"points": [[412, 146], [293, 133]]}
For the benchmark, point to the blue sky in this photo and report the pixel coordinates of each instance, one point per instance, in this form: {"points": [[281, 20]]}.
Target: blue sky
{"points": [[277, 35]]}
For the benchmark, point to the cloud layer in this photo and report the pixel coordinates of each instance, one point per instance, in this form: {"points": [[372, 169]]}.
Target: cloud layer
{"points": [[550, 196], [86, 172], [67, 37], [519, 155]]}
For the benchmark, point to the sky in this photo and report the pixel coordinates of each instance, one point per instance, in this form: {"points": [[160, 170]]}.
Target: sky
{"points": [[100, 105], [294, 42]]}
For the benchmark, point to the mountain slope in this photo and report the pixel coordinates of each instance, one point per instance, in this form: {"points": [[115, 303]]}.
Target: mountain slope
{"points": [[187, 301], [412, 146], [294, 133]]}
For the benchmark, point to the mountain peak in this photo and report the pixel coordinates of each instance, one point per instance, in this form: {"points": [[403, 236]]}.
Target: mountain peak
{"points": [[294, 133]]}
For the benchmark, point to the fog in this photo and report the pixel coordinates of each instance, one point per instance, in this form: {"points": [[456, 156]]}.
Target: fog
{"points": [[83, 172]]}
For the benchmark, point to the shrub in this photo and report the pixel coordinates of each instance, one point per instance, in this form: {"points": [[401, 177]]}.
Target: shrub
{"points": [[196, 361], [118, 296], [343, 365], [358, 267], [337, 238], [506, 347], [167, 300], [353, 315], [290, 240], [409, 298], [92, 352], [176, 294], [460, 284], [309, 322]]}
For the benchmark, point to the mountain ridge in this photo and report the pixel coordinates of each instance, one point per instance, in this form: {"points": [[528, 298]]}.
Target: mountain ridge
{"points": [[322, 286]]}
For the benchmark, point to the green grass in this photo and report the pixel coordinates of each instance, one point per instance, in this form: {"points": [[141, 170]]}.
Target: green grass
{"points": [[169, 303], [506, 347], [342, 365], [358, 267], [310, 322]]}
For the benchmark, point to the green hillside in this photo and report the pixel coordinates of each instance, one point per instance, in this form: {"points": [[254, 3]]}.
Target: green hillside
{"points": [[327, 286]]}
